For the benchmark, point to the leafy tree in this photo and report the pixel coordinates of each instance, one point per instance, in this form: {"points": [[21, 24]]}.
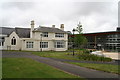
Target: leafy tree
{"points": [[79, 28], [80, 40]]}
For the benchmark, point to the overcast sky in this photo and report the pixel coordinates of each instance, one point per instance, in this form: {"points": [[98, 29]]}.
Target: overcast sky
{"points": [[95, 16]]}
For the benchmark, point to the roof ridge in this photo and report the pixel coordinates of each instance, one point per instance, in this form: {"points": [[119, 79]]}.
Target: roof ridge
{"points": [[7, 27], [21, 28], [46, 27], [100, 32]]}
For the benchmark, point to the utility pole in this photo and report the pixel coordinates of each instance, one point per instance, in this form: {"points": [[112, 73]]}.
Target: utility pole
{"points": [[73, 41], [41, 42]]}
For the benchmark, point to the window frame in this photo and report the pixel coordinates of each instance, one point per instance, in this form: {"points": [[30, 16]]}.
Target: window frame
{"points": [[29, 44], [13, 41], [60, 35], [43, 44], [44, 34], [59, 44]]}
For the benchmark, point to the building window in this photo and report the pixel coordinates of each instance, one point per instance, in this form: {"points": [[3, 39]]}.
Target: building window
{"points": [[43, 44], [0, 43], [45, 34], [13, 41], [59, 44], [29, 44], [59, 34]]}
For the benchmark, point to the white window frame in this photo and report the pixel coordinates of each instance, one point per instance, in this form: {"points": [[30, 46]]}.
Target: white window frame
{"points": [[61, 35], [43, 44], [59, 44], [13, 41], [1, 43], [44, 34], [29, 44]]}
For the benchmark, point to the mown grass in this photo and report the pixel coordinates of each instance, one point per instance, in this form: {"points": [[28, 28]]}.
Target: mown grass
{"points": [[68, 55], [28, 68], [82, 55], [0, 67], [53, 54], [102, 67]]}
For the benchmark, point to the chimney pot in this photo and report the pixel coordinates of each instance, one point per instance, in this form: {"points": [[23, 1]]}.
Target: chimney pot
{"points": [[32, 28], [62, 27], [32, 22], [53, 26]]}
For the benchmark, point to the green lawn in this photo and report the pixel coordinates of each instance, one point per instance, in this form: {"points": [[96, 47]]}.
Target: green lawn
{"points": [[68, 55], [102, 67], [53, 54], [0, 67], [28, 68]]}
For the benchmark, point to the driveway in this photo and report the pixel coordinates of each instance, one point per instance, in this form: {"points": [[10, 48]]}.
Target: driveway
{"points": [[113, 55], [69, 68]]}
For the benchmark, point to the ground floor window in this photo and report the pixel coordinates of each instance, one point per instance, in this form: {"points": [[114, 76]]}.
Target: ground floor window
{"points": [[1, 43], [29, 44], [59, 44], [13, 41], [43, 44]]}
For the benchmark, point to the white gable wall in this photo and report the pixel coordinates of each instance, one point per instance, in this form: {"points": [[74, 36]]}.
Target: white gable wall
{"points": [[9, 46]]}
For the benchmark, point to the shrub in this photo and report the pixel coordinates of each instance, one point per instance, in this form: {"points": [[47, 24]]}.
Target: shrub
{"points": [[92, 57]]}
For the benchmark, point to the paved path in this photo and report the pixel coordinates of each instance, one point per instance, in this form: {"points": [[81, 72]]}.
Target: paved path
{"points": [[113, 55], [73, 69], [114, 62]]}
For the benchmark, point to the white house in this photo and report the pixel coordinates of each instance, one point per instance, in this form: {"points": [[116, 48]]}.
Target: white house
{"points": [[34, 39]]}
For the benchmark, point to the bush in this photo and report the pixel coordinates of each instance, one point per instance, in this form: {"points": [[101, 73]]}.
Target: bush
{"points": [[92, 57]]}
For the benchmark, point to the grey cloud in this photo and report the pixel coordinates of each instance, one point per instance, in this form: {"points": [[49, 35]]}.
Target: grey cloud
{"points": [[19, 5], [100, 15]]}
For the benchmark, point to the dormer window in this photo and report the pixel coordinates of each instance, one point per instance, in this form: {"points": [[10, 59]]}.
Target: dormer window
{"points": [[13, 41]]}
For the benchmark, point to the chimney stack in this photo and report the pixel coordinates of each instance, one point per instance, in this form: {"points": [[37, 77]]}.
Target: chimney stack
{"points": [[53, 26], [32, 28], [62, 27]]}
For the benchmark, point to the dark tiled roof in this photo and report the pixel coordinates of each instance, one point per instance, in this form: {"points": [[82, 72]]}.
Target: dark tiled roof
{"points": [[25, 32], [22, 32], [49, 29], [6, 30], [69, 32], [101, 33]]}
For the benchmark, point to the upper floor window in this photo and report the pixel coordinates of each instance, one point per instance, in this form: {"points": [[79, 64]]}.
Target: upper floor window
{"points": [[45, 34], [43, 44], [59, 34], [29, 44], [13, 41]]}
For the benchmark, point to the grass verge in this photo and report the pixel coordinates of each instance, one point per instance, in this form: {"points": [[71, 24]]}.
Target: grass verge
{"points": [[54, 54], [102, 67], [69, 56], [83, 55], [28, 68]]}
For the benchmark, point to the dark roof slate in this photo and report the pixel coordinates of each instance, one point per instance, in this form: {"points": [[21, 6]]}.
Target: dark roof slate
{"points": [[21, 32], [49, 29], [25, 32], [6, 30]]}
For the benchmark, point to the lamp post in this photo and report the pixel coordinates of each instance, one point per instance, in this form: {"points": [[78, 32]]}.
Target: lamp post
{"points": [[73, 41], [41, 42]]}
